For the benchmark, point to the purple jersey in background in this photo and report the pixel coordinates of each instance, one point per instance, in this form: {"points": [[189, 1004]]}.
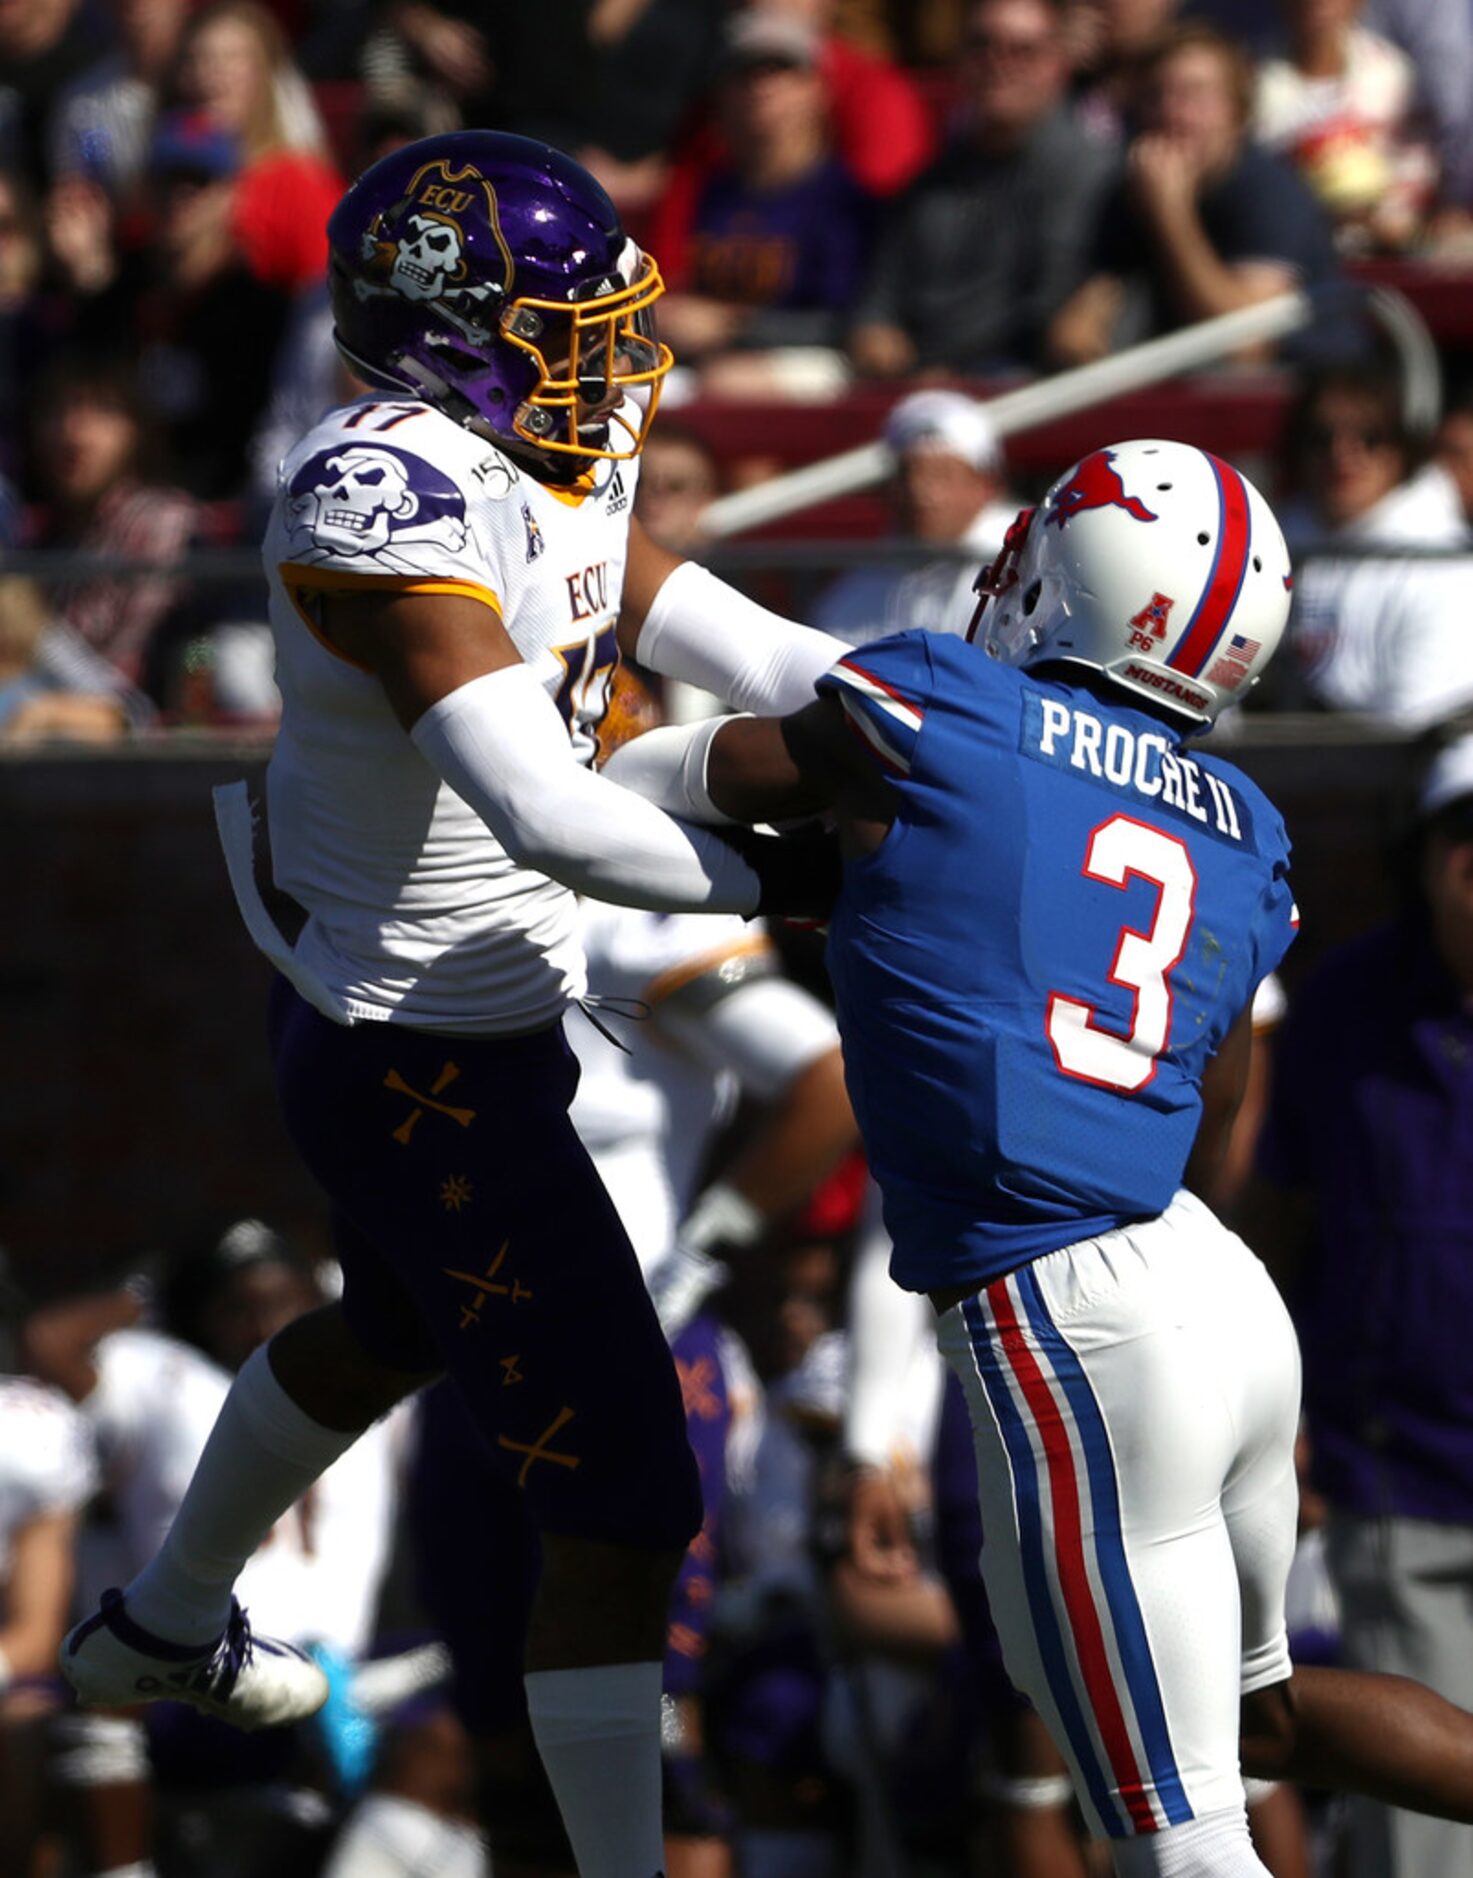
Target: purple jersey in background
{"points": [[795, 253]]}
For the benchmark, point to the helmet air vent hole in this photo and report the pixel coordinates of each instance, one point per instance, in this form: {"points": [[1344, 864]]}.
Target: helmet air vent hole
{"points": [[1203, 539], [458, 357], [1257, 564], [1031, 598], [1163, 487]]}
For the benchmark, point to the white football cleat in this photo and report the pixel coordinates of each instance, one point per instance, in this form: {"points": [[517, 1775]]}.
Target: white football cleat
{"points": [[243, 1679]]}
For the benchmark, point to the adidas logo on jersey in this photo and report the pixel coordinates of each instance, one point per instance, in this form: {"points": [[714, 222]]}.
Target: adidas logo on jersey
{"points": [[618, 496]]}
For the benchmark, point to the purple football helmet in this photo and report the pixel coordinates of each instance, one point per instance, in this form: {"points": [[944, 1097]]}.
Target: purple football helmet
{"points": [[490, 276]]}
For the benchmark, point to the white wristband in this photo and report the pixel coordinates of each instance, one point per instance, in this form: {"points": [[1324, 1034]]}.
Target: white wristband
{"points": [[1029, 1793], [668, 767], [700, 629], [501, 746], [7, 1672], [721, 1216]]}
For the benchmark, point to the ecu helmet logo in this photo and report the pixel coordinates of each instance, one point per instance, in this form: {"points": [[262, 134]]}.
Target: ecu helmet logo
{"points": [[417, 248]]}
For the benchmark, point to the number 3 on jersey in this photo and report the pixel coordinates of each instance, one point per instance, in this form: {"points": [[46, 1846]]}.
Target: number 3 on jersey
{"points": [[1121, 850]]}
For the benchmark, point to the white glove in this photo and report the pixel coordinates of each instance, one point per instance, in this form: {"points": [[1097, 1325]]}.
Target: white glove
{"points": [[681, 1283], [692, 1270]]}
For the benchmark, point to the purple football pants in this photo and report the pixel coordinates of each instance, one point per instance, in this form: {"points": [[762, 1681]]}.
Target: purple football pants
{"points": [[477, 1561], [475, 1235]]}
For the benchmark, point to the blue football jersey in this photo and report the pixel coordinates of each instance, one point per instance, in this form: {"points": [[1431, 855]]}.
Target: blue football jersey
{"points": [[1031, 973]]}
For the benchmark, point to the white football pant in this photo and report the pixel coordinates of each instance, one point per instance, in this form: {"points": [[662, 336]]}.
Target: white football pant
{"points": [[1134, 1400]]}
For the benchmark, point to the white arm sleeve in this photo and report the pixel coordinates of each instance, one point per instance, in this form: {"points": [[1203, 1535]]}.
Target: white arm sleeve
{"points": [[500, 744], [700, 629], [667, 766], [764, 1033], [888, 1328]]}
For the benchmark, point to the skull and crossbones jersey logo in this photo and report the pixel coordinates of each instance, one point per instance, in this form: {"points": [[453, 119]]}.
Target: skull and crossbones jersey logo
{"points": [[372, 503]]}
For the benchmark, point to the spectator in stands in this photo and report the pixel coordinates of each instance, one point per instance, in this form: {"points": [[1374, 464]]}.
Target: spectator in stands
{"points": [[99, 496], [46, 1476], [1385, 633], [229, 1808], [52, 685], [235, 72], [83, 248], [444, 48], [779, 232], [397, 115], [1201, 221], [1339, 103], [530, 69], [207, 325], [917, 32], [878, 119], [678, 478], [1439, 39], [1455, 450], [882, 129], [1110, 41], [44, 45], [100, 125], [980, 252], [1364, 1210], [21, 260], [654, 60], [949, 491]]}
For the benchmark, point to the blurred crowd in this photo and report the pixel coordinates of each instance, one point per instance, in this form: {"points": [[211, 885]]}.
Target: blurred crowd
{"points": [[836, 1704], [926, 196], [841, 194]]}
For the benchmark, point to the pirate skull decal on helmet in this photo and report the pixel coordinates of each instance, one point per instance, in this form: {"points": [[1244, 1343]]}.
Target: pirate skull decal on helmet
{"points": [[428, 257]]}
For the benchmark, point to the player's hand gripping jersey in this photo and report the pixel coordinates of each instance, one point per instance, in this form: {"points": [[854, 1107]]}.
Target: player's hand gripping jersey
{"points": [[1023, 1083], [414, 911]]}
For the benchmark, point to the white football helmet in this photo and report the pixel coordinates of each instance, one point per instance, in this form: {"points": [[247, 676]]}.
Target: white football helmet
{"points": [[1152, 562]]}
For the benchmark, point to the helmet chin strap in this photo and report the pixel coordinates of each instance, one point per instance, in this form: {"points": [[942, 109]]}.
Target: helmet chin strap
{"points": [[374, 375]]}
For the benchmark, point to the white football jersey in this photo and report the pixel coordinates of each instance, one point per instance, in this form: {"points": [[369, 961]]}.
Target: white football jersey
{"points": [[150, 1411], [415, 913], [647, 1112], [1386, 633], [46, 1463], [870, 603], [719, 1020], [316, 1576]]}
